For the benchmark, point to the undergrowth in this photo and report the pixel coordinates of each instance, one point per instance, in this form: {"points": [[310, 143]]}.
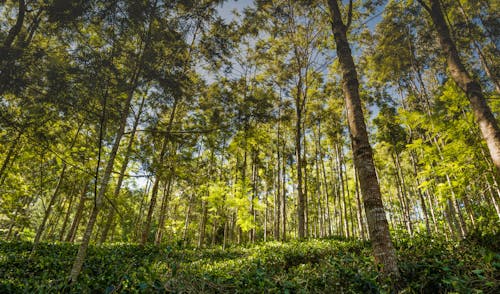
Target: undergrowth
{"points": [[314, 266]]}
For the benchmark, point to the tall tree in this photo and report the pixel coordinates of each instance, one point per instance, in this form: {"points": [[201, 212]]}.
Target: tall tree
{"points": [[482, 112], [383, 249]]}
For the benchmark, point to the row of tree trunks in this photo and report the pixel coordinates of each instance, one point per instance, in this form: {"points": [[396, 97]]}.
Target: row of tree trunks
{"points": [[159, 165], [103, 184], [55, 195]]}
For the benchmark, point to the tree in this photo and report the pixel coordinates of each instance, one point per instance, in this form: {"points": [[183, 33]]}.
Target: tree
{"points": [[484, 116], [383, 249]]}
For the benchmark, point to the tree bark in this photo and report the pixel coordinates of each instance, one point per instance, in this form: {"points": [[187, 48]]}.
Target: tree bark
{"points": [[383, 249], [283, 195], [359, 208], [298, 163]]}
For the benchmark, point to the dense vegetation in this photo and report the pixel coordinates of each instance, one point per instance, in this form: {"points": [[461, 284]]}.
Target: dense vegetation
{"points": [[128, 126], [315, 266]]}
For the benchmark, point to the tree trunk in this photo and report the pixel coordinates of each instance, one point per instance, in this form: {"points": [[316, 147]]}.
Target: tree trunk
{"points": [[482, 58], [78, 215], [277, 198], [253, 196], [98, 201], [10, 152], [154, 192], [66, 217], [383, 249], [123, 169], [342, 202], [48, 209], [305, 180], [163, 207], [358, 203], [283, 195], [188, 218], [203, 223], [327, 195], [484, 117], [298, 160]]}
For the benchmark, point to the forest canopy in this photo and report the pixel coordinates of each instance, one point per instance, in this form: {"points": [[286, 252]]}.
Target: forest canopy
{"points": [[155, 123]]}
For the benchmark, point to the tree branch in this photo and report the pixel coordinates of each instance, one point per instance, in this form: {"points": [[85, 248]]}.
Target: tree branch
{"points": [[16, 29], [425, 6], [349, 15]]}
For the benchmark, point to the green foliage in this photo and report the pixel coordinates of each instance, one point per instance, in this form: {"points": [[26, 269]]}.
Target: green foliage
{"points": [[315, 266]]}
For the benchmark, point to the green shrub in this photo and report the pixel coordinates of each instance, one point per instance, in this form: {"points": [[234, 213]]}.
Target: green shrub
{"points": [[315, 266]]}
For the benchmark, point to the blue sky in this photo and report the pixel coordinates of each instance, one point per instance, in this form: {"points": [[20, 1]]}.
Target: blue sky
{"points": [[230, 5]]}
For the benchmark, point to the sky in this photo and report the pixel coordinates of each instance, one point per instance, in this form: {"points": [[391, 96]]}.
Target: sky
{"points": [[228, 6]]}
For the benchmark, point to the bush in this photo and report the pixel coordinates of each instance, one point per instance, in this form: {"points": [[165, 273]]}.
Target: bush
{"points": [[314, 266]]}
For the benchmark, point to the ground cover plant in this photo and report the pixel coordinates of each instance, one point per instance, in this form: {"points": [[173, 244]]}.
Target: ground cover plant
{"points": [[315, 266]]}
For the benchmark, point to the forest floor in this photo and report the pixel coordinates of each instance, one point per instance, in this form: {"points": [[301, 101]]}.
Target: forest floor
{"points": [[314, 266]]}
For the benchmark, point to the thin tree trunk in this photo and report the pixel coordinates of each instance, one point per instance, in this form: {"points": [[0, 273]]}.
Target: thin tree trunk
{"points": [[420, 193], [66, 217], [154, 192], [48, 209], [482, 58], [123, 169], [383, 248], [163, 207], [253, 195], [99, 197], [305, 180], [300, 194], [78, 215], [266, 213], [404, 192], [401, 196], [54, 220], [493, 198], [203, 222], [10, 152], [343, 208], [277, 197], [280, 157], [327, 200], [188, 218], [283, 194]]}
